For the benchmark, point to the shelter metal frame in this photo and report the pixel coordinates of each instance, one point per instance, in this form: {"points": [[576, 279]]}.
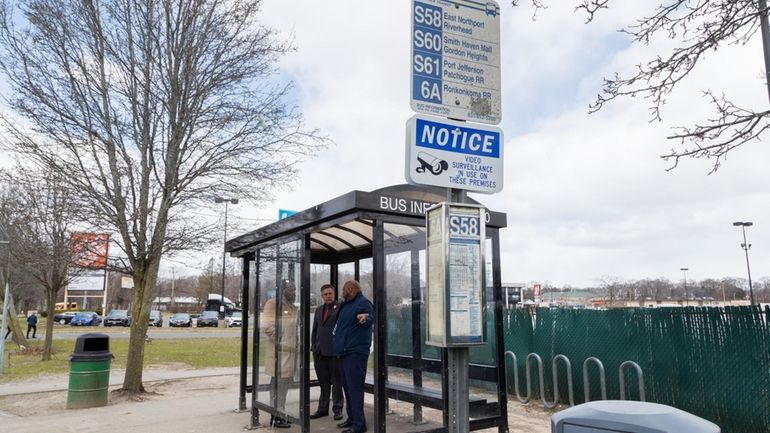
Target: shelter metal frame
{"points": [[335, 233]]}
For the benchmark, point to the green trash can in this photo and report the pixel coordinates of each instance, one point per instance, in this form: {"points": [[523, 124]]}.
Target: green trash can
{"points": [[89, 371]]}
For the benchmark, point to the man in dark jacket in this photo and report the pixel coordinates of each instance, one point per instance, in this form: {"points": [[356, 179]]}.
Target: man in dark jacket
{"points": [[351, 343], [326, 368], [32, 324]]}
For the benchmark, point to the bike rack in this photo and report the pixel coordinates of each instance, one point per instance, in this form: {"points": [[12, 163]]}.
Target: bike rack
{"points": [[622, 380], [555, 376], [586, 382], [536, 357]]}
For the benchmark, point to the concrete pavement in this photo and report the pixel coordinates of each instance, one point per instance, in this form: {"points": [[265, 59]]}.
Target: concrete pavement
{"points": [[184, 401]]}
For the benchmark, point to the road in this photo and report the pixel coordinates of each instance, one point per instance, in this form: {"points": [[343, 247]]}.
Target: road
{"points": [[66, 332]]}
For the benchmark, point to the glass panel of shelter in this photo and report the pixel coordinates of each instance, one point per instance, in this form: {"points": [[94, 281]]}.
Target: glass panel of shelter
{"points": [[279, 325], [410, 367], [413, 366]]}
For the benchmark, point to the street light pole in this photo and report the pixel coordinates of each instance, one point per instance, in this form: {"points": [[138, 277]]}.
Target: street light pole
{"points": [[746, 246], [686, 298], [226, 201], [6, 294]]}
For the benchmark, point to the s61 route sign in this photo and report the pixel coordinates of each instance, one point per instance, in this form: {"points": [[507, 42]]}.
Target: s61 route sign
{"points": [[456, 59]]}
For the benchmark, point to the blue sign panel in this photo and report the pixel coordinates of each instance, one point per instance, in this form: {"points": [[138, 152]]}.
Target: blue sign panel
{"points": [[283, 213], [452, 138]]}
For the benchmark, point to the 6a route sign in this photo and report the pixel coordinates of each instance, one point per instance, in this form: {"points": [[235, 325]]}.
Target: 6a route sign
{"points": [[456, 59], [451, 154]]}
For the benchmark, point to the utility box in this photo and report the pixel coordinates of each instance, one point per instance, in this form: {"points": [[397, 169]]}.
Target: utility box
{"points": [[622, 416]]}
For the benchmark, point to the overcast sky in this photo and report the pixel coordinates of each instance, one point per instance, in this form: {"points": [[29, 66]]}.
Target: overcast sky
{"points": [[587, 196]]}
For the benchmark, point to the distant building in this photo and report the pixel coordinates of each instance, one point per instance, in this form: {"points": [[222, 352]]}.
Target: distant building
{"points": [[179, 304]]}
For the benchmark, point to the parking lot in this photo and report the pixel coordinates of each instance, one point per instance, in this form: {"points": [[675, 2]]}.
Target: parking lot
{"points": [[69, 332]]}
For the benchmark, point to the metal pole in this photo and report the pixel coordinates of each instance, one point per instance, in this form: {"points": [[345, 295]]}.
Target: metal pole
{"points": [[765, 30], [5, 326], [457, 367], [686, 298], [224, 255], [457, 364], [5, 311], [746, 247]]}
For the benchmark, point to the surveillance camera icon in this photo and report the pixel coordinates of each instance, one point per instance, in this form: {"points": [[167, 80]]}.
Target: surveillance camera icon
{"points": [[430, 163]]}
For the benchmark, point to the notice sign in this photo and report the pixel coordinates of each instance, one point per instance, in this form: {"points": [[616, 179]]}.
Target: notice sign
{"points": [[456, 59], [453, 154], [456, 283]]}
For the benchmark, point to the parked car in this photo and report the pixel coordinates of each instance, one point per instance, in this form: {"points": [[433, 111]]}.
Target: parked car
{"points": [[236, 319], [86, 318], [64, 318], [156, 318], [117, 318], [208, 318], [180, 320]]}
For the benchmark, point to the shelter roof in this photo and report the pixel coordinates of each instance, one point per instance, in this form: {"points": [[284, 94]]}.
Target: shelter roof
{"points": [[331, 233]]}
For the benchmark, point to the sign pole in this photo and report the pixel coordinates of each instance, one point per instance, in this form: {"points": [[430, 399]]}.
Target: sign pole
{"points": [[457, 366], [455, 74], [457, 389], [5, 325], [5, 307]]}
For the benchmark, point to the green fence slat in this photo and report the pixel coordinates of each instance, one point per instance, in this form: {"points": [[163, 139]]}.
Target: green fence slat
{"points": [[711, 362]]}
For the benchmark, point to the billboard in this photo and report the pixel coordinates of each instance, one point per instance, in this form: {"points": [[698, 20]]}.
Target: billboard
{"points": [[89, 250], [88, 280]]}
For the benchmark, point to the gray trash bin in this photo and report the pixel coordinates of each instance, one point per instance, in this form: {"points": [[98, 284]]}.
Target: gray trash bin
{"points": [[622, 416]]}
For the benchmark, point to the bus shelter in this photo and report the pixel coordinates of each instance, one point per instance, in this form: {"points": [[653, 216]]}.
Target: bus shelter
{"points": [[377, 238]]}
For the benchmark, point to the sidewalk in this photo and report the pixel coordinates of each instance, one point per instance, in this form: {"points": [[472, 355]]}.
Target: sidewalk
{"points": [[180, 401]]}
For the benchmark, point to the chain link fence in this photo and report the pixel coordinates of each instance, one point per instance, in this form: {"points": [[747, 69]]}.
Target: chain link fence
{"points": [[712, 362]]}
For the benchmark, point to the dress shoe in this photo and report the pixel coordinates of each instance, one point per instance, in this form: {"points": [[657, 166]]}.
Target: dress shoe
{"points": [[315, 415], [345, 424], [337, 416], [280, 423]]}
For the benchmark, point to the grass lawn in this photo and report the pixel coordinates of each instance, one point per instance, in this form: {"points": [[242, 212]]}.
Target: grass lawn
{"points": [[194, 353]]}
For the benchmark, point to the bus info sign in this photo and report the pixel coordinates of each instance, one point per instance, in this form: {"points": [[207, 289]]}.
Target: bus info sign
{"points": [[456, 59]]}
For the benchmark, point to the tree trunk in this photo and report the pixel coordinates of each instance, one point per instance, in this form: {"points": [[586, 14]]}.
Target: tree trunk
{"points": [[144, 282], [50, 300], [17, 334]]}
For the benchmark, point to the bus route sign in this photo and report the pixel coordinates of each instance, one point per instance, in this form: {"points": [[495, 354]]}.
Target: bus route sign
{"points": [[456, 59]]}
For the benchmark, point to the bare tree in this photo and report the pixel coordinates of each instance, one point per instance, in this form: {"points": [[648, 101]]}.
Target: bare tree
{"points": [[698, 26], [151, 108], [609, 287], [38, 217]]}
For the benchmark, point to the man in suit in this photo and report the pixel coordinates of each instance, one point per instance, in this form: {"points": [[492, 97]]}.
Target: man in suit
{"points": [[326, 368]]}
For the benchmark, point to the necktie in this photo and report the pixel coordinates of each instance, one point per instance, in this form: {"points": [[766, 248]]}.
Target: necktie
{"points": [[326, 312]]}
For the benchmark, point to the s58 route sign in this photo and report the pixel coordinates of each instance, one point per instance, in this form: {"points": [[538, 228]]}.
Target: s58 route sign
{"points": [[456, 59]]}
